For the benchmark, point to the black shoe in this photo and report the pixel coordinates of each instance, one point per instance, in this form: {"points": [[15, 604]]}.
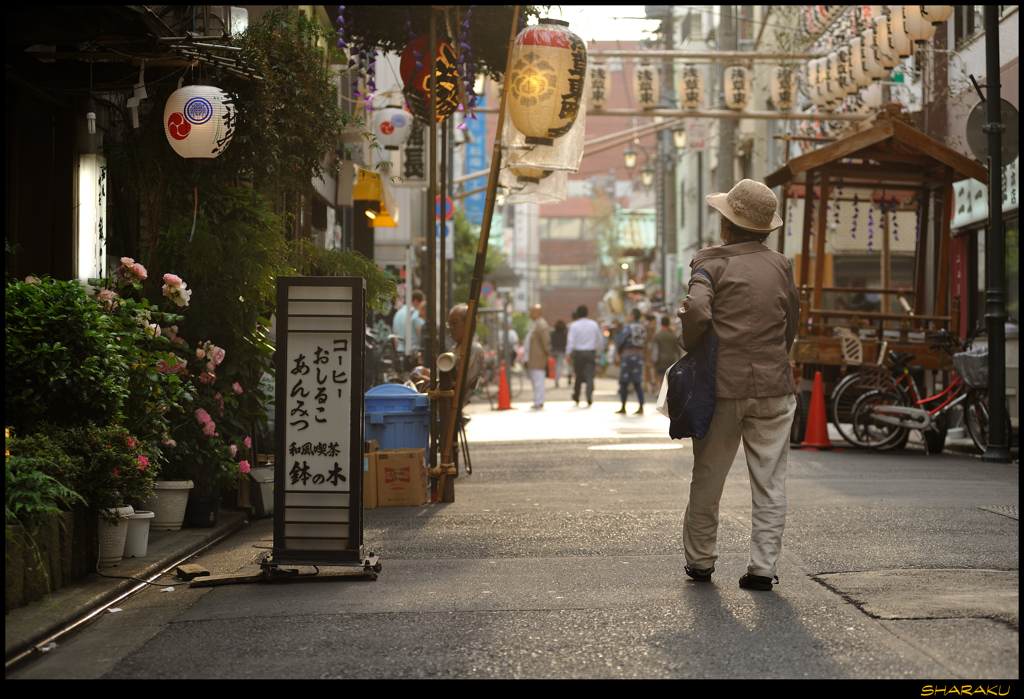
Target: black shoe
{"points": [[700, 575], [757, 582], [621, 411], [639, 411]]}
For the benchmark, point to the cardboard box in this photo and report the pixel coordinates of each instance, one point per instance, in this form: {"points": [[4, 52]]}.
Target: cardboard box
{"points": [[401, 477], [370, 474]]}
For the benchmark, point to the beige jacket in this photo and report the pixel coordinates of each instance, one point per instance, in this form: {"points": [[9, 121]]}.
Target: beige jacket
{"points": [[756, 314], [540, 345]]}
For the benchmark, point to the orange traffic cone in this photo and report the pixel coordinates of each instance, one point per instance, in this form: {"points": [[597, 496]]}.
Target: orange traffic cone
{"points": [[816, 436], [504, 398]]}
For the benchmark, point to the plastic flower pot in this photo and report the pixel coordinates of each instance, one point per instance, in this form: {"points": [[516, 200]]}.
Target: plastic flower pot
{"points": [[137, 543], [113, 536]]}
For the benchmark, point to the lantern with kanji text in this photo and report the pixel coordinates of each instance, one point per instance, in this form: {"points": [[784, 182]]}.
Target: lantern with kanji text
{"points": [[598, 84], [691, 87], [415, 71], [736, 80], [549, 66], [646, 86]]}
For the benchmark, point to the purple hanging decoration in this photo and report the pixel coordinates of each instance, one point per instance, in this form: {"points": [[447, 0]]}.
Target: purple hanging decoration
{"points": [[871, 227], [856, 213], [895, 224], [341, 27]]}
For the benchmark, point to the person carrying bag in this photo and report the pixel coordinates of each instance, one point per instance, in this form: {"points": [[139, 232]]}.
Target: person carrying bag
{"points": [[742, 295]]}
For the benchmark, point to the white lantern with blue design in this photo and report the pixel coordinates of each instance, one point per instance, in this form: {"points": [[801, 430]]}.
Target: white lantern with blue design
{"points": [[391, 126], [199, 121]]}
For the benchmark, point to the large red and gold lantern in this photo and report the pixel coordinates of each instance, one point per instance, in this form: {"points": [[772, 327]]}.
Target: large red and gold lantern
{"points": [[199, 121], [416, 76], [549, 66]]}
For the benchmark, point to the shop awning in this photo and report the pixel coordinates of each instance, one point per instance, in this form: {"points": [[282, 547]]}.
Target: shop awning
{"points": [[372, 187]]}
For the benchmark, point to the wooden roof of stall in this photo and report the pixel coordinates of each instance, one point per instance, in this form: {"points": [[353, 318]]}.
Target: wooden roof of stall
{"points": [[888, 151]]}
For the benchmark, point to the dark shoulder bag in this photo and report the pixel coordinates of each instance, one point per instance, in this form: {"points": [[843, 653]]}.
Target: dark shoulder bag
{"points": [[691, 386]]}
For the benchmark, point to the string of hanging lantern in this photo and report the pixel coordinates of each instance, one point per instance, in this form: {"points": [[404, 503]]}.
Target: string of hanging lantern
{"points": [[856, 49]]}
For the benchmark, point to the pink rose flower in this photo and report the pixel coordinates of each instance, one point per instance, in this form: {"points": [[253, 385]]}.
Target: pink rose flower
{"points": [[234, 450], [237, 387], [243, 467], [172, 279], [218, 355], [200, 354], [143, 463], [248, 443], [107, 295], [203, 417], [210, 429]]}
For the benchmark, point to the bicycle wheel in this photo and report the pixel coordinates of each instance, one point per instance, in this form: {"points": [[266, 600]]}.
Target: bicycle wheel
{"points": [[841, 403], [515, 384], [869, 427], [976, 415]]}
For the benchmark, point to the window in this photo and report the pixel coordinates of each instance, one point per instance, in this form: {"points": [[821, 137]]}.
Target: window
{"points": [[968, 22], [575, 276], [561, 228]]}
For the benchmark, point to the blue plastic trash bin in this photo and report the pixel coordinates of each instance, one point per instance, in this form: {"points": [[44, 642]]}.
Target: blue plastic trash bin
{"points": [[398, 417]]}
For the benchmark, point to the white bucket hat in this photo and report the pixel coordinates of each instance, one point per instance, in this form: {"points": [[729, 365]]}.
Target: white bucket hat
{"points": [[750, 205]]}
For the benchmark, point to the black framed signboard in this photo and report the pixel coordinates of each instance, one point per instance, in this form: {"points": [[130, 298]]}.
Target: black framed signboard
{"points": [[318, 476]]}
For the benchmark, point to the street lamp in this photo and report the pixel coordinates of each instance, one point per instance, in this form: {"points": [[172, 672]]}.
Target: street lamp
{"points": [[679, 137], [647, 176], [629, 157]]}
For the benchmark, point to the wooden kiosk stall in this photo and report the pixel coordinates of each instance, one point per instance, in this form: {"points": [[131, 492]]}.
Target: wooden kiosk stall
{"points": [[884, 156]]}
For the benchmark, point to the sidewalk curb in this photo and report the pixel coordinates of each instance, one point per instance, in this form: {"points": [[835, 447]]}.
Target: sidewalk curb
{"points": [[30, 626]]}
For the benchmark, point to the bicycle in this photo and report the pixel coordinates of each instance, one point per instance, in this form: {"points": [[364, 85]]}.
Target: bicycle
{"points": [[488, 386], [871, 377], [882, 419]]}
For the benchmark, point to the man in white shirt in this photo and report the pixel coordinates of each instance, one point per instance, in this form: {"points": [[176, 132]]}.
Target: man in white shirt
{"points": [[584, 343], [401, 319]]}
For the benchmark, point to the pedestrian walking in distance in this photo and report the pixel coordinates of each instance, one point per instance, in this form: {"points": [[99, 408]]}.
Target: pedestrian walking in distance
{"points": [[753, 307], [536, 350], [629, 355], [584, 343]]}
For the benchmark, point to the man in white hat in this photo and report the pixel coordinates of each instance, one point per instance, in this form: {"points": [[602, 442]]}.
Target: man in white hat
{"points": [[753, 306]]}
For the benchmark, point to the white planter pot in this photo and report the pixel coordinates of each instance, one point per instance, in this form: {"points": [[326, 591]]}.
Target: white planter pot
{"points": [[113, 536], [168, 504], [137, 543]]}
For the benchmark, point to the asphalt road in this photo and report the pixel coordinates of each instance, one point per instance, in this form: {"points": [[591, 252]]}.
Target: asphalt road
{"points": [[563, 559]]}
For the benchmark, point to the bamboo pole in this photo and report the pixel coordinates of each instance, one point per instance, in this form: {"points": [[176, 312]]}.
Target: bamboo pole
{"points": [[478, 272]]}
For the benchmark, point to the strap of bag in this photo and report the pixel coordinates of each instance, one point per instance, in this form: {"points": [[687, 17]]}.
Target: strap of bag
{"points": [[705, 273]]}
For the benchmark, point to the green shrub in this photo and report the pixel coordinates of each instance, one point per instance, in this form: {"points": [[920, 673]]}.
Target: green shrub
{"points": [[63, 365]]}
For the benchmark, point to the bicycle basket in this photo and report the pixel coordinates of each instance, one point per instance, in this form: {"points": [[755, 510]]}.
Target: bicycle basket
{"points": [[875, 377], [972, 366]]}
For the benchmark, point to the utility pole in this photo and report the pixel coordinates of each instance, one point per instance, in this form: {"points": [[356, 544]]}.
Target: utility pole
{"points": [[995, 296], [726, 127]]}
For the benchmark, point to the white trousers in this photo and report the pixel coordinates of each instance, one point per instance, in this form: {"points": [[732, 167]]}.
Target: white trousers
{"points": [[537, 377], [764, 426]]}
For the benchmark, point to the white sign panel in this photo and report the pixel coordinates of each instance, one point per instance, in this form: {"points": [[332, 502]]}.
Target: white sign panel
{"points": [[318, 482]]}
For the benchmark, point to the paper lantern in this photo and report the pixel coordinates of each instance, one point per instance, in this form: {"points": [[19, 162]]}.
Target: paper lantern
{"points": [[859, 76], [917, 27], [936, 14], [391, 126], [598, 84], [886, 55], [872, 67], [737, 87], [691, 87], [199, 121], [549, 65], [532, 175], [783, 88], [415, 72], [646, 86], [898, 39]]}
